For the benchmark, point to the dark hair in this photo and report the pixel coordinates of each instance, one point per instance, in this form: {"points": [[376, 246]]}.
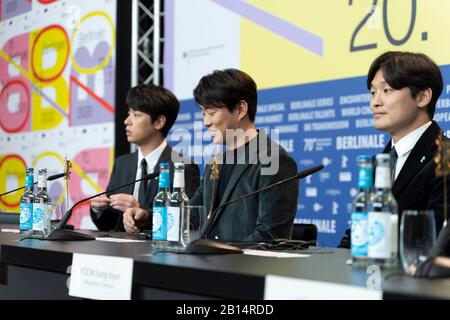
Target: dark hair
{"points": [[155, 101], [226, 88], [407, 69]]}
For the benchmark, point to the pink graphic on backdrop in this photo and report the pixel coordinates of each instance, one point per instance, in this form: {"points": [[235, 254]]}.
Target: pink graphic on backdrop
{"points": [[16, 114], [94, 163], [13, 8], [15, 95]]}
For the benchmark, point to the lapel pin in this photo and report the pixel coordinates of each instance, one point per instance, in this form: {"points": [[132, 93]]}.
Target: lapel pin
{"points": [[422, 160]]}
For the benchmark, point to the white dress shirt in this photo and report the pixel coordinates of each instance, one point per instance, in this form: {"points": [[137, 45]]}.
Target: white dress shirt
{"points": [[404, 146], [152, 160]]}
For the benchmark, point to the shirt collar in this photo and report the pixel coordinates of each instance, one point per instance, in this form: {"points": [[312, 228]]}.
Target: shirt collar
{"points": [[407, 143], [153, 157]]}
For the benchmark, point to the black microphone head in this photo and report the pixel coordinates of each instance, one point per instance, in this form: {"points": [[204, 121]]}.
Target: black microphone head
{"points": [[310, 171], [56, 176], [150, 176]]}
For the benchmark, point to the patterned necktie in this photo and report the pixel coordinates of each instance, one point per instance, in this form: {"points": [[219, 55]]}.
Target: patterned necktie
{"points": [[143, 184], [393, 163]]}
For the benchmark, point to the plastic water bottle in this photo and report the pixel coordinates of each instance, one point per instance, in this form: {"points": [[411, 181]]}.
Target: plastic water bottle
{"points": [[178, 201], [160, 205], [359, 229], [26, 204], [383, 218], [41, 207]]}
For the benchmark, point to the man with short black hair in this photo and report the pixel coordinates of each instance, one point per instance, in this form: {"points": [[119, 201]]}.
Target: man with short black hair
{"points": [[405, 87], [228, 101], [152, 110]]}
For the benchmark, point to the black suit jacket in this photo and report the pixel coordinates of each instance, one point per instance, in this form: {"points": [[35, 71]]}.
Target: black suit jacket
{"points": [[417, 186], [124, 171], [267, 215]]}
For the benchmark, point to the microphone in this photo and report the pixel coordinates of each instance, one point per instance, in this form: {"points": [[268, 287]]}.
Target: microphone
{"points": [[198, 246], [50, 178], [59, 233], [56, 176]]}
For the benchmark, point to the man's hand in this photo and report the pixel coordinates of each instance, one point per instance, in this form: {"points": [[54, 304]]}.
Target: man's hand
{"points": [[100, 203], [123, 201], [134, 219]]}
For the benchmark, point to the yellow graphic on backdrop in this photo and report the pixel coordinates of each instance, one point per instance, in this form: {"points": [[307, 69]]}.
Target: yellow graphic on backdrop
{"points": [[345, 27]]}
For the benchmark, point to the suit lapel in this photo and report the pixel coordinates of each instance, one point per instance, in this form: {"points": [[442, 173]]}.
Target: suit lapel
{"points": [[207, 189], [422, 152], [238, 172], [240, 169], [130, 172]]}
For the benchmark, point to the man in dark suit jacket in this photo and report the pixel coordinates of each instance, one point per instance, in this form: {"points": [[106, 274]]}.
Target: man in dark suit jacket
{"points": [[405, 88], [228, 101], [152, 112]]}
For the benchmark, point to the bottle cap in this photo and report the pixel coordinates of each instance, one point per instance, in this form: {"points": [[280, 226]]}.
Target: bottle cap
{"points": [[164, 165], [383, 156], [363, 157]]}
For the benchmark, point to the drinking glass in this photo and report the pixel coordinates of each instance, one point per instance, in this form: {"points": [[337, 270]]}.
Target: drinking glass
{"points": [[417, 237], [192, 219]]}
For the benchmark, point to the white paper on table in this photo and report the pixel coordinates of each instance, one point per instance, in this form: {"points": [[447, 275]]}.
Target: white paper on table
{"points": [[109, 239], [285, 288], [101, 277], [274, 254]]}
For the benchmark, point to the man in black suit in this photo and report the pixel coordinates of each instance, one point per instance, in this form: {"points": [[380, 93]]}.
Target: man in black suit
{"points": [[152, 112], [228, 101], [405, 88]]}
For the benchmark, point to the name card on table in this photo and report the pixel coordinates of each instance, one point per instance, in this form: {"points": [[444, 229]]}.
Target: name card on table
{"points": [[101, 277], [284, 288]]}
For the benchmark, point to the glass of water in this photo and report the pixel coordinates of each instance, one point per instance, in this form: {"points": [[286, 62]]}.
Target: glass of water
{"points": [[417, 238], [192, 220]]}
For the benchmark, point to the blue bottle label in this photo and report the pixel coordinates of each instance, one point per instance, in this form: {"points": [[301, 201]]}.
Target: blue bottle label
{"points": [[173, 223], [359, 234], [26, 216], [164, 179], [365, 178], [383, 235], [159, 228], [41, 212], [29, 181]]}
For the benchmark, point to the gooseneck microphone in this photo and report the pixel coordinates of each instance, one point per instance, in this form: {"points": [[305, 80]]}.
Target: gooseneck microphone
{"points": [[211, 218], [56, 176], [59, 233], [50, 178]]}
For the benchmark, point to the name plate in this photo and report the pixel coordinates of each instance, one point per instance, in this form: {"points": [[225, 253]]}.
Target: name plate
{"points": [[101, 277], [283, 288]]}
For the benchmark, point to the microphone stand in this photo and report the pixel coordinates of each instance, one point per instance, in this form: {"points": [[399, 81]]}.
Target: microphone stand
{"points": [[59, 233], [225, 248]]}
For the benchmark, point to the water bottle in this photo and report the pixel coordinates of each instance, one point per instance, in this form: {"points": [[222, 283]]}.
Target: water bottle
{"points": [[178, 200], [383, 218], [26, 204], [42, 207], [359, 229], [160, 205]]}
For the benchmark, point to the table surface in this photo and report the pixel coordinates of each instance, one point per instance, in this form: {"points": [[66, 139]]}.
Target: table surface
{"points": [[238, 276]]}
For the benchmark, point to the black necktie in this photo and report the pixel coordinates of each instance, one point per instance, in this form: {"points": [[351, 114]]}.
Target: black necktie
{"points": [[394, 157], [143, 184]]}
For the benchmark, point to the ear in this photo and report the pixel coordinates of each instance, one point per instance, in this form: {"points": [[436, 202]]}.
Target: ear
{"points": [[241, 109], [160, 122], [423, 98]]}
